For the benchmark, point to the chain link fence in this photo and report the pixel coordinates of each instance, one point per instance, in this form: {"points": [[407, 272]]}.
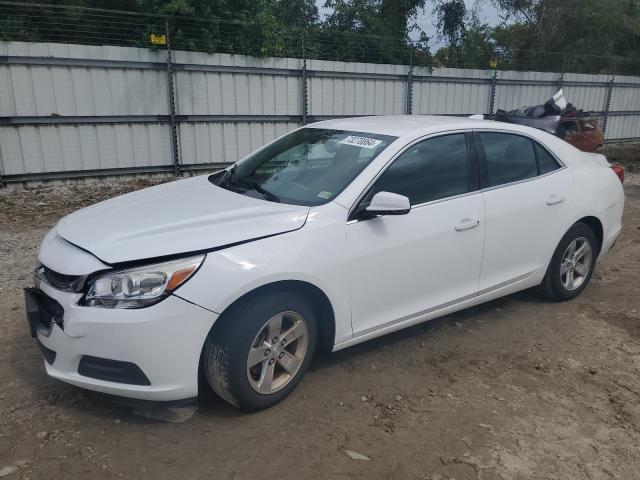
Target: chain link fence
{"points": [[77, 107], [89, 26]]}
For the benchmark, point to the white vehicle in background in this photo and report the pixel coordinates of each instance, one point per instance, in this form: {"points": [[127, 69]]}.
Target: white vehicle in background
{"points": [[336, 233]]}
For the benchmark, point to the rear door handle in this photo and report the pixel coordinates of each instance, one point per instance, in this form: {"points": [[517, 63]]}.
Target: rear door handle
{"points": [[554, 199], [467, 224]]}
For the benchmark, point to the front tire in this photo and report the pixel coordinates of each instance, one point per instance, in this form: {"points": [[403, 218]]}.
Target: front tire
{"points": [[259, 350], [572, 264]]}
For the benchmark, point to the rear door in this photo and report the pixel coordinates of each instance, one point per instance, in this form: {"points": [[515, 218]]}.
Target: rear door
{"points": [[526, 192]]}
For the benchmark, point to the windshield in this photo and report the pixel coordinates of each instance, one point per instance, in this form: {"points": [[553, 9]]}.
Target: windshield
{"points": [[310, 166]]}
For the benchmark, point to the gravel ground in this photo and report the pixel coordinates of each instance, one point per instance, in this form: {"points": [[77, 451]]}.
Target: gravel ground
{"points": [[518, 388]]}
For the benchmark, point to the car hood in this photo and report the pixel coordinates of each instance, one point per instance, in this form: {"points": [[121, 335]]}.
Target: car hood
{"points": [[177, 217]]}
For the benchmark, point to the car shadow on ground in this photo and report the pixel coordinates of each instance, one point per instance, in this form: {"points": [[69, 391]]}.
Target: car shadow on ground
{"points": [[464, 318]]}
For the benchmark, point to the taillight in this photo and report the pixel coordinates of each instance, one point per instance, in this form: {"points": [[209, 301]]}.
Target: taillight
{"points": [[619, 171]]}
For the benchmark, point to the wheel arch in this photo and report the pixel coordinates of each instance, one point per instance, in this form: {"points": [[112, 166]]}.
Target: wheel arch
{"points": [[321, 304], [317, 297], [596, 225], [592, 222]]}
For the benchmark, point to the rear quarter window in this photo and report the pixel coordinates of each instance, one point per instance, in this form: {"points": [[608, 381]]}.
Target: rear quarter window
{"points": [[546, 162]]}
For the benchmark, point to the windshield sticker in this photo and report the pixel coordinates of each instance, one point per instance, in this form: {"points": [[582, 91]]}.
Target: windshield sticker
{"points": [[362, 142], [325, 195]]}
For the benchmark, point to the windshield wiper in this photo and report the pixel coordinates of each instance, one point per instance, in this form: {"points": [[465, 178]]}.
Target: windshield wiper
{"points": [[255, 186], [223, 176], [230, 178]]}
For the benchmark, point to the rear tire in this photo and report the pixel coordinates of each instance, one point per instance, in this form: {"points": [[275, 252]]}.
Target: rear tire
{"points": [[244, 365], [572, 264]]}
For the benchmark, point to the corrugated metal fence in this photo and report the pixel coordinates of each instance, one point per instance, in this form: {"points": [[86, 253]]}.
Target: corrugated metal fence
{"points": [[75, 110]]}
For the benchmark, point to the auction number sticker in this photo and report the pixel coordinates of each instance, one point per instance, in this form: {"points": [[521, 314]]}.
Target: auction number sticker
{"points": [[362, 142]]}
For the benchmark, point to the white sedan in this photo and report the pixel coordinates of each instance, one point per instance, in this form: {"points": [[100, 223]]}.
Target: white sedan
{"points": [[333, 234]]}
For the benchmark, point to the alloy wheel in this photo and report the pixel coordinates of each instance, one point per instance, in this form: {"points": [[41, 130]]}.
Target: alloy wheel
{"points": [[576, 263], [277, 352]]}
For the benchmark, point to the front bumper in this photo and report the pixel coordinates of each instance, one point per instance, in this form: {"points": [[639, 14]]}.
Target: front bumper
{"points": [[164, 341]]}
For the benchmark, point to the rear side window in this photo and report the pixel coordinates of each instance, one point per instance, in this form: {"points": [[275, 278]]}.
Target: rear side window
{"points": [[546, 162], [430, 170], [508, 158]]}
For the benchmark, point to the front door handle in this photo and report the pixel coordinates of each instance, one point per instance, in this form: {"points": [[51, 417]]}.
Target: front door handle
{"points": [[554, 199], [467, 224]]}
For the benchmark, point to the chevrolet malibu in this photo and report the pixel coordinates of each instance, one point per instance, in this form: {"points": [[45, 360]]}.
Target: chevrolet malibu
{"points": [[333, 234]]}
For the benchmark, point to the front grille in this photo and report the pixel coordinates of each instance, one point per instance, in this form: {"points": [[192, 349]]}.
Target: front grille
{"points": [[42, 311], [59, 281]]}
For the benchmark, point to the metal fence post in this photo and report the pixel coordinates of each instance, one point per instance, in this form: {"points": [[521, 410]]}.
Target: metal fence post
{"points": [[492, 94], [607, 104], [305, 75], [172, 104], [561, 78], [409, 100]]}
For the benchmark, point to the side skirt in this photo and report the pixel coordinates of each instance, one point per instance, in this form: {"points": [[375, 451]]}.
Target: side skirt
{"points": [[520, 283]]}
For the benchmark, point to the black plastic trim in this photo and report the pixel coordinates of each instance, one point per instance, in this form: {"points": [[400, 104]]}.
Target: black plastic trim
{"points": [[112, 371], [48, 354], [473, 174], [60, 281], [368, 214], [482, 160], [137, 402], [42, 312]]}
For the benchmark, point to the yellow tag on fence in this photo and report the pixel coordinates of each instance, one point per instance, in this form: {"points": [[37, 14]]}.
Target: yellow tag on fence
{"points": [[493, 63], [158, 39]]}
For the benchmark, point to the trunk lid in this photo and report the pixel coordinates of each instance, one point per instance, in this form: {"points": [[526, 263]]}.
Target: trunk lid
{"points": [[597, 158]]}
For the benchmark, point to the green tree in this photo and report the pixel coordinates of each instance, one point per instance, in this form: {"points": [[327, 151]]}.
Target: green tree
{"points": [[478, 45], [375, 30], [450, 20], [586, 30]]}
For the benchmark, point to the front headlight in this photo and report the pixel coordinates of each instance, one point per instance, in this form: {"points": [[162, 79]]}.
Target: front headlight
{"points": [[140, 286]]}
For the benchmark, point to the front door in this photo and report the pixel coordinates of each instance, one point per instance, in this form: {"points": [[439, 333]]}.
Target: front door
{"points": [[405, 265]]}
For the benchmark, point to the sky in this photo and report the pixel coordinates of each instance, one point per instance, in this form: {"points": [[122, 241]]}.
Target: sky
{"points": [[487, 13]]}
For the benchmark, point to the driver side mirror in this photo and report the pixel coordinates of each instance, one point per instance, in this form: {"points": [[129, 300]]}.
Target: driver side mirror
{"points": [[387, 203]]}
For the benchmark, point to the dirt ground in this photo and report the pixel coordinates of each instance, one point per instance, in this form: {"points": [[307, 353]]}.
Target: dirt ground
{"points": [[518, 388]]}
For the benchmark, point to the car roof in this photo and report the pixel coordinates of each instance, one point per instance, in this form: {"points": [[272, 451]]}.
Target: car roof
{"points": [[412, 125]]}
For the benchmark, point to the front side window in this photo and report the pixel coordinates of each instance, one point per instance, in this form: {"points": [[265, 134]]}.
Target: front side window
{"points": [[310, 166], [508, 158], [430, 170]]}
